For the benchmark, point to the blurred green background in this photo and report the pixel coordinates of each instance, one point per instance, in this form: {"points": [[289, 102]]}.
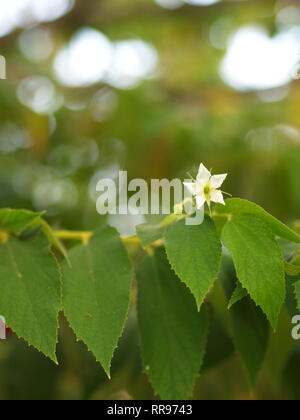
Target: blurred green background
{"points": [[153, 87]]}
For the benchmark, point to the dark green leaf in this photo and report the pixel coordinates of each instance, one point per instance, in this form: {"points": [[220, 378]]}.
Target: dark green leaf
{"points": [[250, 335], [297, 292], [173, 332], [238, 294], [291, 300], [219, 346]]}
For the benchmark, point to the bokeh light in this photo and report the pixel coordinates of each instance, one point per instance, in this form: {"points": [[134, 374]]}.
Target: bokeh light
{"points": [[54, 194], [133, 61], [13, 138], [22, 13], [85, 61], [169, 4], [201, 2], [45, 10], [256, 61], [91, 57], [103, 104], [173, 4], [289, 16], [39, 94], [36, 44]]}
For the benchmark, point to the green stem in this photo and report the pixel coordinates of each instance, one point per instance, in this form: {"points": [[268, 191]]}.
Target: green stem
{"points": [[85, 237]]}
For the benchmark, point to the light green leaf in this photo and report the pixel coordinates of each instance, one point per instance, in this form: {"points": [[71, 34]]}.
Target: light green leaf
{"points": [[238, 294], [291, 269], [296, 257], [297, 292], [30, 295], [16, 221], [250, 335], [150, 232], [96, 293], [54, 241], [258, 261], [195, 255], [236, 206], [173, 333]]}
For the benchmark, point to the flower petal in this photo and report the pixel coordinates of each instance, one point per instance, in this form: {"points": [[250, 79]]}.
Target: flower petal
{"points": [[203, 175], [217, 197], [200, 200], [217, 180], [191, 186]]}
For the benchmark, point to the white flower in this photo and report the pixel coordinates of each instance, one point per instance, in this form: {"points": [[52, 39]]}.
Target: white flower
{"points": [[205, 187]]}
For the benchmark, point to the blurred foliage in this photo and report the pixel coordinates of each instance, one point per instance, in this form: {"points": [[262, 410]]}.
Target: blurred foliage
{"points": [[163, 127]]}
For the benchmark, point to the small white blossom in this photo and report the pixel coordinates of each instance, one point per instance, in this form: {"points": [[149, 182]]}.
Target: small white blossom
{"points": [[205, 187]]}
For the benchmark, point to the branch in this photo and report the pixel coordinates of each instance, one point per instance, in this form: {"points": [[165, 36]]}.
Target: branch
{"points": [[85, 237]]}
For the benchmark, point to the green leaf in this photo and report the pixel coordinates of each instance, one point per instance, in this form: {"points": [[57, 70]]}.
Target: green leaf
{"points": [[291, 300], [173, 333], [291, 269], [296, 257], [238, 294], [54, 241], [258, 261], [250, 328], [250, 335], [219, 346], [96, 293], [195, 255], [236, 206], [150, 232], [297, 293], [30, 295], [16, 221]]}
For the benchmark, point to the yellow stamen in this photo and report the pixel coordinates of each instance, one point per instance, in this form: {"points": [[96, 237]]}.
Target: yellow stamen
{"points": [[207, 190]]}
